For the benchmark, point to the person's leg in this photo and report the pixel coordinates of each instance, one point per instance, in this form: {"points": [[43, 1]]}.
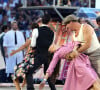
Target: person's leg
{"points": [[29, 80], [96, 85], [95, 61], [23, 83], [96, 65], [17, 84], [29, 76], [51, 84]]}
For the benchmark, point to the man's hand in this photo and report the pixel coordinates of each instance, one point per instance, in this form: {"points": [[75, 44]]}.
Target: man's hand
{"points": [[68, 57], [42, 84], [72, 55]]}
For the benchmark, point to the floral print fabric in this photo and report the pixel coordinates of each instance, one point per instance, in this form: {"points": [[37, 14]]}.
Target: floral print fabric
{"points": [[22, 68]]}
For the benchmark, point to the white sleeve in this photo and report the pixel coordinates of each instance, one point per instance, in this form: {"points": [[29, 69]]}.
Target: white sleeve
{"points": [[34, 37], [5, 40]]}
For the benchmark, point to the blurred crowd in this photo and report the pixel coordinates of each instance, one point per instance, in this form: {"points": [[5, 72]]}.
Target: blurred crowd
{"points": [[9, 10], [80, 3]]}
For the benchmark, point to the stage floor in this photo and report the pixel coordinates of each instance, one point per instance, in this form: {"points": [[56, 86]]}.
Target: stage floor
{"points": [[58, 87]]}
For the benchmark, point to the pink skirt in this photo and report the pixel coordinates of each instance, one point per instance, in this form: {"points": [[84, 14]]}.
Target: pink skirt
{"points": [[80, 75]]}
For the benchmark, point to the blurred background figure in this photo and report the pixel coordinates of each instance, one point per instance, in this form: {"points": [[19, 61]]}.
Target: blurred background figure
{"points": [[82, 20], [64, 2], [4, 29], [98, 29], [86, 21], [3, 77], [13, 39]]}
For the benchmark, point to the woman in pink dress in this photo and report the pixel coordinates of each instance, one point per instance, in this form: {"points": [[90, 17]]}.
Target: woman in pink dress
{"points": [[80, 75]]}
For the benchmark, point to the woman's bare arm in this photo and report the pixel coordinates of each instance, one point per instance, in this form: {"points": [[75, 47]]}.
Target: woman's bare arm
{"points": [[27, 43]]}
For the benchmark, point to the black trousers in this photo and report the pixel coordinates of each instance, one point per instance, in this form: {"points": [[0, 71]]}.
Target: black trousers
{"points": [[39, 59]]}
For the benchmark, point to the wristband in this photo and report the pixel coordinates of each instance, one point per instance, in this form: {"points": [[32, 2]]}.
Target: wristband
{"points": [[44, 79]]}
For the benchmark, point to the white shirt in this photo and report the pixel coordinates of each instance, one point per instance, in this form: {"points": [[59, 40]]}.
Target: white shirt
{"points": [[94, 43], [11, 19], [34, 37], [16, 1], [43, 25], [9, 39], [9, 43]]}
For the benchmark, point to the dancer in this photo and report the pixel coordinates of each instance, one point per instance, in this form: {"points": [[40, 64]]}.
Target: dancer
{"points": [[41, 40], [85, 33], [21, 68], [80, 75]]}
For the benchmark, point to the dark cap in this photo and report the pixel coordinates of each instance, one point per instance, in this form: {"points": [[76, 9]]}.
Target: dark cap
{"points": [[69, 18]]}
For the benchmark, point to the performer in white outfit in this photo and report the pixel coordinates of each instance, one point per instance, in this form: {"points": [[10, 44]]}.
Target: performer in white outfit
{"points": [[13, 39]]}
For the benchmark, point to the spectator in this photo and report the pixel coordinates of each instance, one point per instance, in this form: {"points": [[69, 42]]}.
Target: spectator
{"points": [[4, 30], [16, 1], [90, 23], [82, 20], [5, 20], [75, 3], [84, 3], [1, 3], [13, 39], [1, 16], [93, 3], [67, 2], [11, 3], [11, 18], [98, 29], [23, 24], [8, 10]]}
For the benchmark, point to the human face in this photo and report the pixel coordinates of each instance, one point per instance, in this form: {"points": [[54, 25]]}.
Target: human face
{"points": [[14, 26], [98, 24], [6, 30], [70, 26]]}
